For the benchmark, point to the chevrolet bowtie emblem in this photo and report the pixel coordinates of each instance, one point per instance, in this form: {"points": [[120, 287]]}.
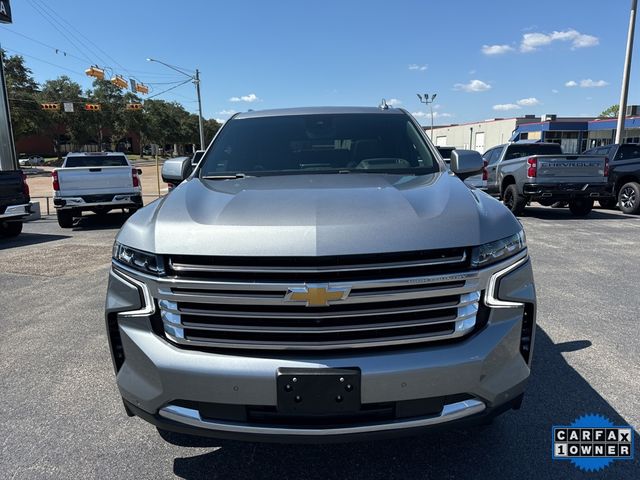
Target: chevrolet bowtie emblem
{"points": [[317, 295]]}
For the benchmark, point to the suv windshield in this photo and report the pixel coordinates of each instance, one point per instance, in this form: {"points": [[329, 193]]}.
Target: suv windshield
{"points": [[96, 161], [319, 143]]}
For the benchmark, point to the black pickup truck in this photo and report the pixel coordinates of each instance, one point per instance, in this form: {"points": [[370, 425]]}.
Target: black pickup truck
{"points": [[14, 202], [624, 176]]}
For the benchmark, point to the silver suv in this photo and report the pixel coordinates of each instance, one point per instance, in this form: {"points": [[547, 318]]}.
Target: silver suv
{"points": [[321, 276]]}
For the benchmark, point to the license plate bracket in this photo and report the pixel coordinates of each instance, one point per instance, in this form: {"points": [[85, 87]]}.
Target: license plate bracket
{"points": [[318, 391]]}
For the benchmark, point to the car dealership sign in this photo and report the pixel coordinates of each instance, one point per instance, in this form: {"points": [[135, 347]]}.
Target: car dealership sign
{"points": [[5, 11]]}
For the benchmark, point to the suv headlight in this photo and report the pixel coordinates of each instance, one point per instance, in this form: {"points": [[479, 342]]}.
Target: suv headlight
{"points": [[499, 250], [137, 259]]}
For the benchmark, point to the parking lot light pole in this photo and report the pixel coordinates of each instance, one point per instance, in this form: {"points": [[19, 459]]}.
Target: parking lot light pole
{"points": [[429, 102], [195, 78], [622, 113]]}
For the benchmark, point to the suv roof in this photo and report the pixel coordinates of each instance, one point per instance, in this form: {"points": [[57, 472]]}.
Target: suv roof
{"points": [[317, 111], [94, 154]]}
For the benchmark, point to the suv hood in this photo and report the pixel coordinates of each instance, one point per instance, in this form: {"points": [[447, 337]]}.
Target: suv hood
{"points": [[317, 215]]}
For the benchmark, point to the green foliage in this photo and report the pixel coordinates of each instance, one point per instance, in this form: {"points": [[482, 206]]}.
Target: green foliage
{"points": [[26, 114], [611, 112], [75, 124], [160, 122]]}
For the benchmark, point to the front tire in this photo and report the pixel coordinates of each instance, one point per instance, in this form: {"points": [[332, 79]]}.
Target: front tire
{"points": [[513, 200], [11, 229], [629, 198], [581, 207], [65, 218]]}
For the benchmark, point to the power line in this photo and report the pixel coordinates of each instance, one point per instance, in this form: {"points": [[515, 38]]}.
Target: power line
{"points": [[52, 22], [82, 60], [44, 61], [56, 49], [53, 12], [169, 89]]}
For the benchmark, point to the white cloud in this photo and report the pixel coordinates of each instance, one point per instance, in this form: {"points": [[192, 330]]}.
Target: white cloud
{"points": [[473, 86], [533, 41], [394, 102], [220, 120], [588, 83], [420, 68], [496, 49], [428, 115], [226, 112], [505, 107], [555, 91], [252, 97], [528, 102]]}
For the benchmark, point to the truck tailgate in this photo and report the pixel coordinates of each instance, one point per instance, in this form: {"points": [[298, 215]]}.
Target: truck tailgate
{"points": [[11, 190], [95, 180], [571, 169]]}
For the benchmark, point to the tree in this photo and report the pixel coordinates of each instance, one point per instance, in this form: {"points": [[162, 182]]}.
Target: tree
{"points": [[611, 112], [74, 124], [111, 115], [211, 127], [161, 121], [27, 116], [136, 120]]}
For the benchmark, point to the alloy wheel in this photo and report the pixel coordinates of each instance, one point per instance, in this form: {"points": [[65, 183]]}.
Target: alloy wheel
{"points": [[628, 197]]}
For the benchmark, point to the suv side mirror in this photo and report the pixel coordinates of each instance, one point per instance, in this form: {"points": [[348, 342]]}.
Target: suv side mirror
{"points": [[176, 170], [466, 163]]}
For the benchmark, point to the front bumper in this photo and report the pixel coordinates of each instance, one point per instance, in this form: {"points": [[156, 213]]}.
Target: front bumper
{"points": [[566, 190], [16, 212], [156, 378]]}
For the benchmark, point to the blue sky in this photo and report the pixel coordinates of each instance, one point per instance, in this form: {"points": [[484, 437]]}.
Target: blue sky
{"points": [[484, 59]]}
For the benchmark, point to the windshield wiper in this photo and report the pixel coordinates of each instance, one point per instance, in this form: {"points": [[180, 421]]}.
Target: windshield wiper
{"points": [[224, 177]]}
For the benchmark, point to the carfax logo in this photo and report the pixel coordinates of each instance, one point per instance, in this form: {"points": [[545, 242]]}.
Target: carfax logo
{"points": [[592, 442]]}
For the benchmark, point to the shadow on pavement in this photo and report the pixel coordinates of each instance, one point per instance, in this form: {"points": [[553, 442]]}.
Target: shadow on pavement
{"points": [[517, 445], [25, 239], [107, 221], [563, 214]]}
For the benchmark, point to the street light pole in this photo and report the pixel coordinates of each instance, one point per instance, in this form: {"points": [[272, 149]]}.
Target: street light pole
{"points": [[429, 101], [196, 81], [626, 74]]}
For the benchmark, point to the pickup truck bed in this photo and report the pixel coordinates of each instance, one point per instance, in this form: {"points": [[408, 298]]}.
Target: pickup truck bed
{"points": [[14, 202], [94, 182]]}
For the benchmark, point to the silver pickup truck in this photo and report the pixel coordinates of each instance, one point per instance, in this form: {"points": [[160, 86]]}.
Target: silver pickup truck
{"points": [[519, 173], [97, 182]]}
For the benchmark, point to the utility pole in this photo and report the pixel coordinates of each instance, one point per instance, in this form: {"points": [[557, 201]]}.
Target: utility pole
{"points": [[197, 82], [626, 74], [429, 101], [7, 146]]}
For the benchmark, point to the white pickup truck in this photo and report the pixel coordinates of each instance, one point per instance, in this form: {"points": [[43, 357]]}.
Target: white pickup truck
{"points": [[97, 182]]}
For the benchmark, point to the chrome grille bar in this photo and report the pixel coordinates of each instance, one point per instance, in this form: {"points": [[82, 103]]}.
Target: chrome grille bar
{"points": [[188, 267]]}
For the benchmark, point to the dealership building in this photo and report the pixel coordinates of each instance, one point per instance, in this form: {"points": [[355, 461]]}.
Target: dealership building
{"points": [[575, 134]]}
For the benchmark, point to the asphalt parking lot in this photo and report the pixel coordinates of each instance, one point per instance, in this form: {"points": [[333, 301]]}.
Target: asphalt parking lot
{"points": [[61, 415]]}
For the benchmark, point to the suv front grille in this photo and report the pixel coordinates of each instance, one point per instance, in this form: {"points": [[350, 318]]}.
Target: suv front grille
{"points": [[395, 301]]}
